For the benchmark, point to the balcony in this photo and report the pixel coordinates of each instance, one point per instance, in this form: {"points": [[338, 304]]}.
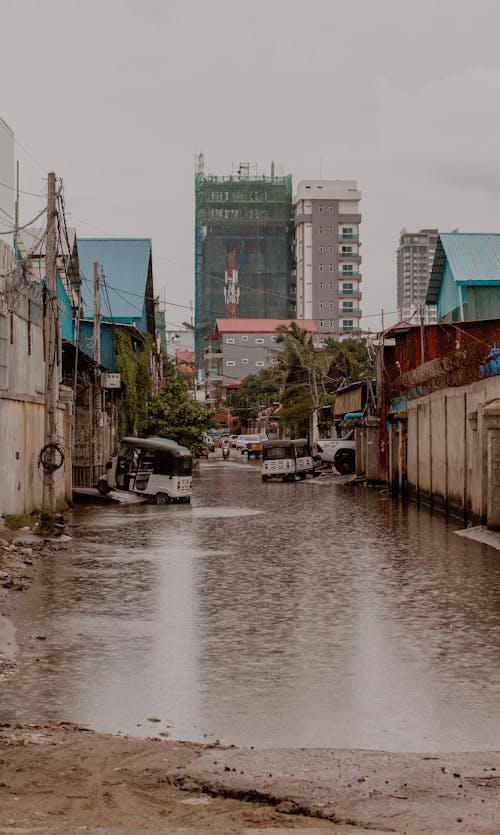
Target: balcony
{"points": [[349, 254], [354, 292], [216, 353], [354, 311], [347, 276], [213, 374], [352, 237], [350, 329]]}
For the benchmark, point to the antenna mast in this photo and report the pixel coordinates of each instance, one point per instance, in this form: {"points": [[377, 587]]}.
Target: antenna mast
{"points": [[231, 289]]}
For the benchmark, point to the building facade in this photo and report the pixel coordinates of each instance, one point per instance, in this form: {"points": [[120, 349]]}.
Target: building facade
{"points": [[243, 228], [415, 255], [240, 347], [327, 255], [465, 276]]}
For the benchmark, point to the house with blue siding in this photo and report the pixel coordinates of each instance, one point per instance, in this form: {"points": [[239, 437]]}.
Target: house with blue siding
{"points": [[465, 277], [127, 293]]}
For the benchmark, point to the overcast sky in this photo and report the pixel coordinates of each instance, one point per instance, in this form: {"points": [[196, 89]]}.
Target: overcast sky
{"points": [[117, 96]]}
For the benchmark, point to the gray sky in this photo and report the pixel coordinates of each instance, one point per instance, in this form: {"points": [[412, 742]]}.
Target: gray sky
{"points": [[116, 96]]}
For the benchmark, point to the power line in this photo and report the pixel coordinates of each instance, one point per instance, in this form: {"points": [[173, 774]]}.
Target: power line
{"points": [[28, 193]]}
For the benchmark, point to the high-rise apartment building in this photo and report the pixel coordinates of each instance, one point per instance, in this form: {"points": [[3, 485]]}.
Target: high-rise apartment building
{"points": [[415, 255], [327, 256], [243, 249]]}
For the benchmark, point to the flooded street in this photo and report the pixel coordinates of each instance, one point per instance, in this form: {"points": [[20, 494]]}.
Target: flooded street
{"points": [[308, 614]]}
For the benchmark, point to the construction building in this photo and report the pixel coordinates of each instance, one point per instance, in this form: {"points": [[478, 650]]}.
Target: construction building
{"points": [[327, 255], [240, 347], [415, 256], [243, 248]]}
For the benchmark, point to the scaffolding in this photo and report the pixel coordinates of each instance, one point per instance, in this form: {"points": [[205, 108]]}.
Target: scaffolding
{"points": [[252, 216]]}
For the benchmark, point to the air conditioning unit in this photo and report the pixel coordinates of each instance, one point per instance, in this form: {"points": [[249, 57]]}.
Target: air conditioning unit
{"points": [[110, 380]]}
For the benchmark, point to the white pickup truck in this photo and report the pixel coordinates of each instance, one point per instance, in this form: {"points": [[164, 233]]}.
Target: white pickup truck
{"points": [[341, 452]]}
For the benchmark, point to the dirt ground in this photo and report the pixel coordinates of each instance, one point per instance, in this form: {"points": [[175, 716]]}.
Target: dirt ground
{"points": [[63, 776], [66, 776]]}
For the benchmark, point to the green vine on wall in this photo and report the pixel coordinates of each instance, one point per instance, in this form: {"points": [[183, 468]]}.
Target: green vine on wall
{"points": [[133, 364]]}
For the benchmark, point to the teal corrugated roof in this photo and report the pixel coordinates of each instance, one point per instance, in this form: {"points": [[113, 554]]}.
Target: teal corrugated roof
{"points": [[474, 258], [125, 264]]}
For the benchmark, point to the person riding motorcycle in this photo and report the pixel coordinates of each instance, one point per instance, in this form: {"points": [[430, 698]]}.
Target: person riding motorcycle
{"points": [[226, 448]]}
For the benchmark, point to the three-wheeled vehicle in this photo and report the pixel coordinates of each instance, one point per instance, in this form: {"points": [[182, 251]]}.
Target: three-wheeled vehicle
{"points": [[286, 459], [154, 467], [304, 462]]}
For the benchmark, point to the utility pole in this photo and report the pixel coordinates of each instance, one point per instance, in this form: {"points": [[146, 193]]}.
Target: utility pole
{"points": [[97, 411], [422, 335], [16, 210], [51, 351], [97, 315]]}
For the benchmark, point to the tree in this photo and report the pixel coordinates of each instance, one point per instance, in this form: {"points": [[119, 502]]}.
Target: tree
{"points": [[174, 414], [348, 361], [310, 376], [299, 372], [132, 361], [256, 392]]}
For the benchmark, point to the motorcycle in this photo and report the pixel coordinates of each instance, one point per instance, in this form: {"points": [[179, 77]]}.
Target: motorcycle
{"points": [[225, 452]]}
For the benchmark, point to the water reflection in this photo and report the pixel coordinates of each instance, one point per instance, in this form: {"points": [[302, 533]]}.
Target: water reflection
{"points": [[278, 614]]}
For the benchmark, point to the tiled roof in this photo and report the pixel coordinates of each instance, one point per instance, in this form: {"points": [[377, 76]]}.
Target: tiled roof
{"points": [[261, 325]]}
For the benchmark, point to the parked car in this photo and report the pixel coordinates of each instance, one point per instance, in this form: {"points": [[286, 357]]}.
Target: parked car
{"points": [[243, 440], [341, 452]]}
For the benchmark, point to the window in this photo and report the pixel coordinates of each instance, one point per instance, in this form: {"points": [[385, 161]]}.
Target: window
{"points": [[331, 323], [244, 338], [330, 286], [230, 362], [230, 341], [320, 230], [321, 268], [321, 305], [259, 363], [347, 287], [330, 249], [330, 268], [259, 340], [347, 268], [347, 307], [321, 208], [244, 361], [330, 231], [330, 208], [321, 249], [273, 338], [321, 323], [330, 305], [321, 285], [347, 324], [347, 250]]}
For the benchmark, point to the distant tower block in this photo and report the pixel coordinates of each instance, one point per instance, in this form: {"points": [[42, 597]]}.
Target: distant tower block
{"points": [[231, 289]]}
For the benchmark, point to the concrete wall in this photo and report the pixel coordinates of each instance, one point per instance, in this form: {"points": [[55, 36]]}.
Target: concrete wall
{"points": [[447, 449], [22, 413], [22, 431]]}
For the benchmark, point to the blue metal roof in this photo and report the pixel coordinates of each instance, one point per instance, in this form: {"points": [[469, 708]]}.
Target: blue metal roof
{"points": [[474, 258], [125, 265]]}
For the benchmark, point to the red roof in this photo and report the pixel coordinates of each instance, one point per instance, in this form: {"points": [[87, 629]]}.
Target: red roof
{"points": [[186, 357], [260, 325]]}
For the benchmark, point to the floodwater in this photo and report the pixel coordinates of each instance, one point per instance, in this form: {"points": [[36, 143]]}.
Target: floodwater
{"points": [[306, 614]]}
